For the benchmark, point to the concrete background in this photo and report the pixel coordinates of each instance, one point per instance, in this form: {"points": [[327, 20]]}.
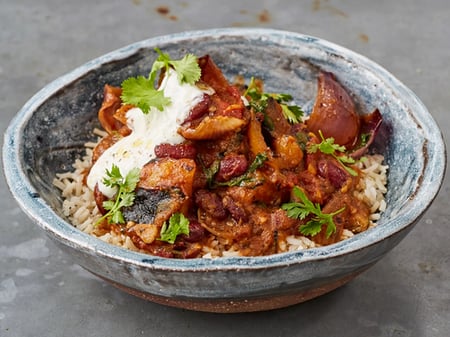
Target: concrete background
{"points": [[42, 293]]}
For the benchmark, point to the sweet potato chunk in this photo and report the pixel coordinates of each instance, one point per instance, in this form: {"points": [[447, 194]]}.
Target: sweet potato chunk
{"points": [[168, 173]]}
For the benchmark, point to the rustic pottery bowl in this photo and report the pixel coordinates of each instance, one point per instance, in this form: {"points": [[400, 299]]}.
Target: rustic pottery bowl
{"points": [[48, 133]]}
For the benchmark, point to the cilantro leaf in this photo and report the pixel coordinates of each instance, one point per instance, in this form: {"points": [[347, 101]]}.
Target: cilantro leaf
{"points": [[292, 113], [125, 193], [305, 208], [178, 224], [258, 100], [187, 69], [139, 91], [327, 146]]}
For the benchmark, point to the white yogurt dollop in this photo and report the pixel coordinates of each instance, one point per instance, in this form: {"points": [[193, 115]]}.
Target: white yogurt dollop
{"points": [[147, 131]]}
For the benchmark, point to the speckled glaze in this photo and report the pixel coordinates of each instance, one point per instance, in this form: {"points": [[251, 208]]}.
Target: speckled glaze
{"points": [[48, 133]]}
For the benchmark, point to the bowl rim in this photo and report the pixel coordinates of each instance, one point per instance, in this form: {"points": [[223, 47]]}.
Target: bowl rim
{"points": [[36, 208]]}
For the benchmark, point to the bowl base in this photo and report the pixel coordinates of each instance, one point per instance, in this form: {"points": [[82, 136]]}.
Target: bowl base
{"points": [[225, 305]]}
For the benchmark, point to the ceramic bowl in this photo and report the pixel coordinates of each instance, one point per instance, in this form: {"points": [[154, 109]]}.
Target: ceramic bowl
{"points": [[48, 133]]}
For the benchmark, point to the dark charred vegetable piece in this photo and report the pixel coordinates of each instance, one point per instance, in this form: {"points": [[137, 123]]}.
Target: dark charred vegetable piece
{"points": [[147, 204], [151, 209], [334, 113]]}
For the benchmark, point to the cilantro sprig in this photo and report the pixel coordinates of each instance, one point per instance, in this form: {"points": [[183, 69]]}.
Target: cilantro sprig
{"points": [[259, 100], [305, 208], [328, 146], [125, 194], [178, 224], [141, 92]]}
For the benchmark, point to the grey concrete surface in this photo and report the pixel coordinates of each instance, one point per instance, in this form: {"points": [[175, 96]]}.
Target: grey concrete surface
{"points": [[42, 293]]}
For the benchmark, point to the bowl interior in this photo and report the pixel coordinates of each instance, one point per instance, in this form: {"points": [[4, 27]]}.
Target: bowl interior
{"points": [[49, 133]]}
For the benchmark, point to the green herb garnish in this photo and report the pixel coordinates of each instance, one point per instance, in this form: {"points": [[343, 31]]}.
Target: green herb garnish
{"points": [[327, 146], [304, 208], [364, 138], [259, 100], [187, 69], [141, 92], [124, 196], [210, 172], [178, 224]]}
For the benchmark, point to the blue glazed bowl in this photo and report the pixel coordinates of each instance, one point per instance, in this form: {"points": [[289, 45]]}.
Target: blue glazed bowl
{"points": [[48, 133]]}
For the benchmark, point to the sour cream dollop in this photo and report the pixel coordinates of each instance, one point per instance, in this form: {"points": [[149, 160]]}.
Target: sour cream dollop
{"points": [[147, 131]]}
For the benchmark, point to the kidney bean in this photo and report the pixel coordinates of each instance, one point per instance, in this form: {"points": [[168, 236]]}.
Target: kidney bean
{"points": [[200, 109], [175, 151], [232, 166]]}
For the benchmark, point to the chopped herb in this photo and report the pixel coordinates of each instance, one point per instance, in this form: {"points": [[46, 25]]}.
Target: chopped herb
{"points": [[259, 100], [364, 137], [257, 162], [124, 196], [211, 171], [141, 92], [327, 146], [292, 113], [178, 224], [187, 69], [304, 208]]}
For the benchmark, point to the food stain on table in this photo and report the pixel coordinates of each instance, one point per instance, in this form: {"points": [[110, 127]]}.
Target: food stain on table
{"points": [[165, 12], [324, 5], [364, 37], [260, 17]]}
